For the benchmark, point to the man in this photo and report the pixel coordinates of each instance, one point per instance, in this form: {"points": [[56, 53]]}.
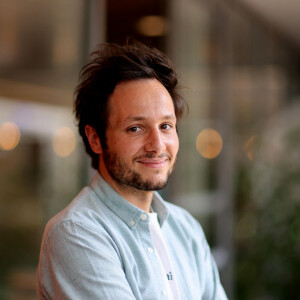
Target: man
{"points": [[118, 239]]}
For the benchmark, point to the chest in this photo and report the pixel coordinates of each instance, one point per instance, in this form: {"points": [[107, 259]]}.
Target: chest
{"points": [[142, 266]]}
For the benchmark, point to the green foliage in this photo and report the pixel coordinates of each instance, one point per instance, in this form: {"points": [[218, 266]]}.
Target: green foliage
{"points": [[268, 224]]}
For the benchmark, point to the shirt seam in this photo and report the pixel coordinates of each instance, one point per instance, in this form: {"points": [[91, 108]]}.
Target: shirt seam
{"points": [[136, 217], [79, 224]]}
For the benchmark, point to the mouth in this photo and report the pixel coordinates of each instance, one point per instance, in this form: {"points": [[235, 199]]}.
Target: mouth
{"points": [[153, 162]]}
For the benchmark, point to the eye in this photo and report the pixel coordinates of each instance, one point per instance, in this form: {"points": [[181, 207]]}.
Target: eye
{"points": [[166, 126], [134, 129]]}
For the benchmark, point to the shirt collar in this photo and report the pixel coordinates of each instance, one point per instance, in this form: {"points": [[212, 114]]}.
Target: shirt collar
{"points": [[129, 213]]}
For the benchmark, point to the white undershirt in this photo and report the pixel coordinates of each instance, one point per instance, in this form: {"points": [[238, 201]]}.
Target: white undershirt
{"points": [[164, 258]]}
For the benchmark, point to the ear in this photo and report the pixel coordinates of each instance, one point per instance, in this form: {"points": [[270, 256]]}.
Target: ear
{"points": [[93, 139]]}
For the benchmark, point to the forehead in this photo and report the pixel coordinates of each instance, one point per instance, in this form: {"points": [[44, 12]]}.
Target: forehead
{"points": [[145, 98]]}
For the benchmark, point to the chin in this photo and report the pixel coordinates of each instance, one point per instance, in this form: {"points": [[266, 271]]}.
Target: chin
{"points": [[153, 184], [151, 187]]}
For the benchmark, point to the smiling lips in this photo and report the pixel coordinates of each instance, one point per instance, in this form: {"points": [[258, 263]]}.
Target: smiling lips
{"points": [[153, 162]]}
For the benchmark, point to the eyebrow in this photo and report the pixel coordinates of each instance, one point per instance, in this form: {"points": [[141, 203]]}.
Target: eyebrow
{"points": [[141, 118]]}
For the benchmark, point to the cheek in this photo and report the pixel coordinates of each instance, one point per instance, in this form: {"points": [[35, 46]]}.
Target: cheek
{"points": [[124, 147], [173, 145]]}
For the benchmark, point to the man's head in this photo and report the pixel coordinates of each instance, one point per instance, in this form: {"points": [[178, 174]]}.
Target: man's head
{"points": [[114, 76]]}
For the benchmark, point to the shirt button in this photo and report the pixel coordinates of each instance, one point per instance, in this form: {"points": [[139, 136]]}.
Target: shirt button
{"points": [[144, 217], [164, 293], [150, 250], [131, 223]]}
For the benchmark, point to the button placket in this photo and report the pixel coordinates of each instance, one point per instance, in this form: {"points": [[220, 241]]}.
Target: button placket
{"points": [[150, 250], [144, 217]]}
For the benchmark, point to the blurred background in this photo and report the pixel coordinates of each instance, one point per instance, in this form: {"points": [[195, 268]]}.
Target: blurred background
{"points": [[238, 171]]}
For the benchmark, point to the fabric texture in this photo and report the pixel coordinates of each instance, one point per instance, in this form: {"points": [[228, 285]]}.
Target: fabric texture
{"points": [[100, 247], [164, 258]]}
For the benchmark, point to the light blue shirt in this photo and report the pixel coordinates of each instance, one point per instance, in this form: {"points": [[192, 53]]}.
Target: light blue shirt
{"points": [[100, 247]]}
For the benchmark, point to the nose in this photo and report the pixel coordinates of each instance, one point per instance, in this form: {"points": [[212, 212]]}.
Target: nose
{"points": [[155, 142]]}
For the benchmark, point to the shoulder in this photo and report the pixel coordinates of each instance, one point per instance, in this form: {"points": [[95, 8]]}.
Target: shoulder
{"points": [[180, 213], [84, 216], [180, 217], [79, 234]]}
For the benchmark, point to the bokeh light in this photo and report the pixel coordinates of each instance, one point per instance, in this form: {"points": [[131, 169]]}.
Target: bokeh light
{"points": [[152, 26], [249, 147], [64, 141], [9, 136], [209, 143]]}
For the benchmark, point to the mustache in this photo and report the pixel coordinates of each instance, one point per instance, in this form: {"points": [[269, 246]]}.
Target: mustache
{"points": [[152, 155]]}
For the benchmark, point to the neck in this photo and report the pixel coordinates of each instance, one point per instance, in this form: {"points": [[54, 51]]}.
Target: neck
{"points": [[139, 198]]}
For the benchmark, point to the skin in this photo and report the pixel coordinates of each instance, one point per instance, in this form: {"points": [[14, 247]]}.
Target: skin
{"points": [[142, 141]]}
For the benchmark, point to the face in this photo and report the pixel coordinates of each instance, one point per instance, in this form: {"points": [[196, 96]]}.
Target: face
{"points": [[141, 137]]}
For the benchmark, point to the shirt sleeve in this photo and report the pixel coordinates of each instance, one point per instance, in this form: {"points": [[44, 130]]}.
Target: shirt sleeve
{"points": [[79, 263], [211, 286], [213, 289], [219, 293]]}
